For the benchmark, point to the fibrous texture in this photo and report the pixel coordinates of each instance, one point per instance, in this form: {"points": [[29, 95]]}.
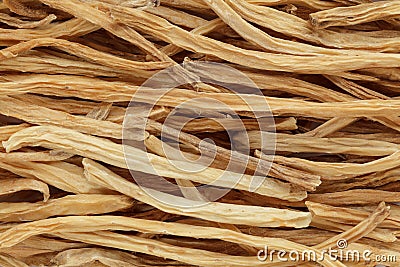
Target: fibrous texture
{"points": [[199, 133]]}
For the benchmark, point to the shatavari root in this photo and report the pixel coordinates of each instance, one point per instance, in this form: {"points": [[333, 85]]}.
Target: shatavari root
{"points": [[199, 133]]}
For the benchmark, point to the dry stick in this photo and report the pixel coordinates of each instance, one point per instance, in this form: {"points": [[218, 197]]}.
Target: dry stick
{"points": [[34, 10], [290, 25], [9, 186], [364, 93], [38, 245], [251, 250], [8, 261], [229, 213], [355, 197], [390, 122], [116, 114], [79, 107], [391, 137], [117, 91], [188, 189], [345, 16], [354, 89], [337, 171], [22, 24], [8, 130], [358, 77], [177, 17], [86, 12], [199, 4], [262, 39], [378, 179], [308, 236], [331, 126], [100, 112], [70, 28], [371, 180], [313, 4], [94, 110], [272, 82], [99, 42], [69, 86], [338, 139], [3, 6], [20, 8], [192, 5], [326, 64], [70, 224], [338, 123], [212, 125], [381, 235], [85, 87], [160, 249], [38, 62], [207, 27], [195, 256], [294, 86], [394, 210], [349, 216], [353, 2], [85, 256], [363, 228], [97, 17], [93, 147], [309, 182], [214, 245], [278, 106], [62, 175], [44, 116], [82, 51], [35, 156], [300, 143], [390, 74], [81, 204], [39, 259], [254, 35], [132, 3]]}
